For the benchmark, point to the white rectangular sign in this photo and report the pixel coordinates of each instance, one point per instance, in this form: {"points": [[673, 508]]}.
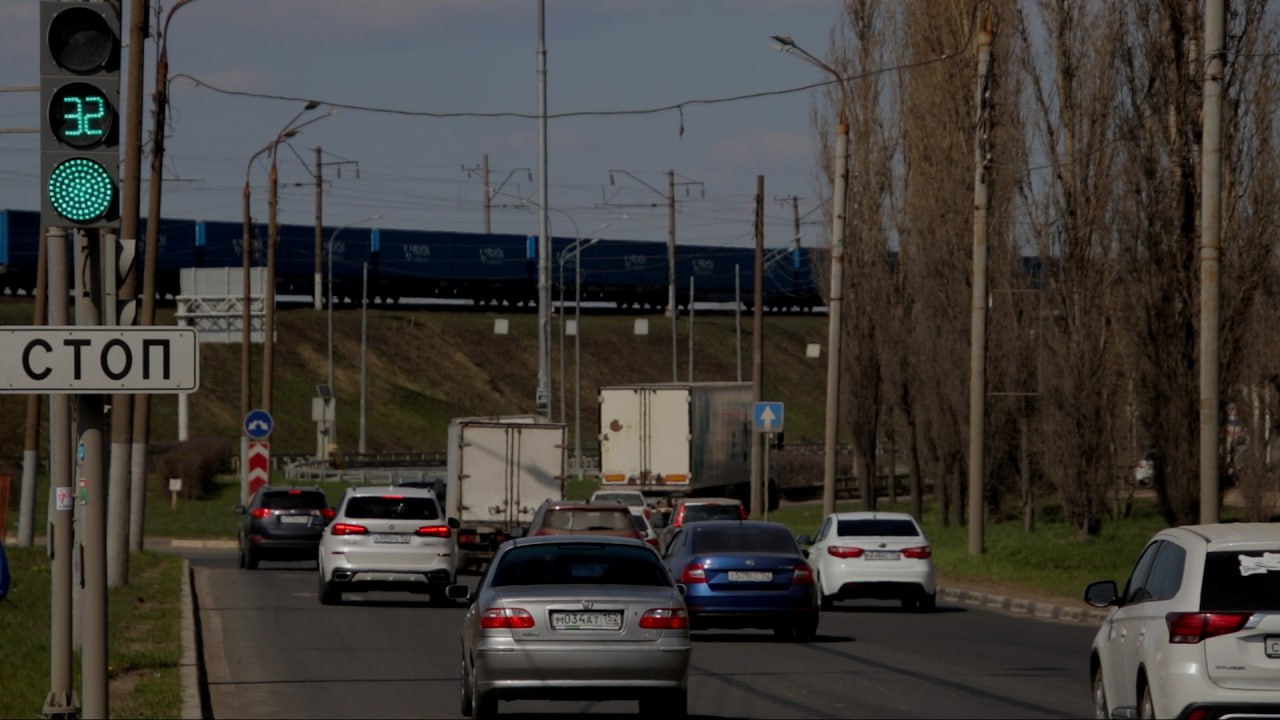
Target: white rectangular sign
{"points": [[91, 360]]}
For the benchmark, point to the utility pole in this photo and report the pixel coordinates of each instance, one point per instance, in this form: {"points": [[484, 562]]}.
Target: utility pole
{"points": [[118, 502], [31, 441], [978, 336], [670, 197], [1210, 252], [492, 192], [542, 398], [671, 275], [759, 498], [318, 290]]}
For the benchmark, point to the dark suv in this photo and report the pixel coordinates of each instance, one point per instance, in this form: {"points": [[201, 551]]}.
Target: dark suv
{"points": [[282, 524]]}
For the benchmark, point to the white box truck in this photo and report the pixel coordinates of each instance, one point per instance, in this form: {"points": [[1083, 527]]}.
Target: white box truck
{"points": [[677, 438], [500, 469]]}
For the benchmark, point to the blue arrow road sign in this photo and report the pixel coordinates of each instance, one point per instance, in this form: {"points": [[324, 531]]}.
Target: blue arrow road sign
{"points": [[767, 416], [257, 424]]}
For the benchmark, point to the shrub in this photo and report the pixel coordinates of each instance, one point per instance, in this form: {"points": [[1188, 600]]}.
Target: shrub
{"points": [[198, 462]]}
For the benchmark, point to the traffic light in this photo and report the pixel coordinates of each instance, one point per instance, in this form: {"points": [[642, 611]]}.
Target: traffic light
{"points": [[79, 95]]}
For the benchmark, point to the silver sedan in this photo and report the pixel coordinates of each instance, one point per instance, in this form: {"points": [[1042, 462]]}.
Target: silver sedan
{"points": [[575, 618]]}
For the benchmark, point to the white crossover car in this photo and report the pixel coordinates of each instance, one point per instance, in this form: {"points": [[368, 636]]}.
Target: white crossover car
{"points": [[388, 538], [880, 555], [1195, 634]]}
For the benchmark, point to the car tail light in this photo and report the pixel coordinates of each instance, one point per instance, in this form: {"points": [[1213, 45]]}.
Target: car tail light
{"points": [[349, 529], [924, 552], [679, 521], [742, 512], [295, 491], [1191, 628], [392, 497], [510, 618], [803, 575], [261, 513], [665, 619], [440, 531], [327, 514], [693, 574], [844, 551]]}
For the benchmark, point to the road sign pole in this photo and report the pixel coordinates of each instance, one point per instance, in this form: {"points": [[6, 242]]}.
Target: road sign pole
{"points": [[244, 469], [764, 473]]}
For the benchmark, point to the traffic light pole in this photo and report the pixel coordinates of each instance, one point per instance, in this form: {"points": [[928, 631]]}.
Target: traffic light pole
{"points": [[61, 701], [92, 493]]}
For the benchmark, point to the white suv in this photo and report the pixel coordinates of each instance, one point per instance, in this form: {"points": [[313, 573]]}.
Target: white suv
{"points": [[1196, 632], [388, 538]]}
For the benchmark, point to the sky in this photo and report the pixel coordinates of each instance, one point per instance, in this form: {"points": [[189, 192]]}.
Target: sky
{"points": [[411, 82]]}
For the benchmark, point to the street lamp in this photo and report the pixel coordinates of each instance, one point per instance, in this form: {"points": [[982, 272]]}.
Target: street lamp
{"points": [[269, 329], [836, 290], [333, 424], [575, 249]]}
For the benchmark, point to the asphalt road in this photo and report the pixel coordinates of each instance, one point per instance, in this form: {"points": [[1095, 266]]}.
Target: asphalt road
{"points": [[271, 650]]}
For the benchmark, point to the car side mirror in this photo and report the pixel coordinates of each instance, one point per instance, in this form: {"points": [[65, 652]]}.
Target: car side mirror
{"points": [[805, 553], [1102, 593], [239, 509], [460, 593], [453, 523], [682, 589], [804, 540]]}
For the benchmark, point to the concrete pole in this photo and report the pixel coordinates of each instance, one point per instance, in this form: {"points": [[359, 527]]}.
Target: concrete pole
{"points": [[488, 196], [690, 328], [671, 275], [364, 349], [758, 499], [1210, 252], [317, 288], [577, 362], [835, 301], [142, 403], [978, 329], [269, 326], [543, 397], [60, 701], [92, 498], [737, 316], [31, 443]]}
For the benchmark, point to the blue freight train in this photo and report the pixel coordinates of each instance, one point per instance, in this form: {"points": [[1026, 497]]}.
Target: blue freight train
{"points": [[484, 269]]}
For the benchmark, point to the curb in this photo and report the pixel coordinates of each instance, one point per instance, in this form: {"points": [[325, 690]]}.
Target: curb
{"points": [[188, 667], [1018, 606]]}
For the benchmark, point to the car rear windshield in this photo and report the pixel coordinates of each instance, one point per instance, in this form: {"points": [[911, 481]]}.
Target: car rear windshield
{"points": [[285, 500], [697, 513], [576, 519], [876, 528], [376, 507], [744, 539], [625, 498], [580, 564], [1240, 581]]}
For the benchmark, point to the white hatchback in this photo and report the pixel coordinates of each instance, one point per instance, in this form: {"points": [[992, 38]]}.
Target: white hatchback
{"points": [[388, 538], [1196, 632], [881, 555]]}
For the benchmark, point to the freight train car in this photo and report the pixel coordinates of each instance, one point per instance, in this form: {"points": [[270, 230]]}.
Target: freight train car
{"points": [[485, 269]]}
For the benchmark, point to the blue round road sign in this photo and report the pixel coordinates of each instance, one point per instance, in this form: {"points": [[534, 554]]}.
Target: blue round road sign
{"points": [[257, 424]]}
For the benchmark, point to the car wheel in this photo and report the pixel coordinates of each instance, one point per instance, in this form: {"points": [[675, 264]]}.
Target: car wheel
{"points": [[329, 595], [1100, 709], [927, 603], [909, 603], [1146, 708], [250, 560], [467, 704], [784, 632], [827, 602], [241, 557], [669, 704]]}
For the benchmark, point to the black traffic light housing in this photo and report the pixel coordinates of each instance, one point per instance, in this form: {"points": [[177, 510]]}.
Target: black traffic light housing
{"points": [[79, 99]]}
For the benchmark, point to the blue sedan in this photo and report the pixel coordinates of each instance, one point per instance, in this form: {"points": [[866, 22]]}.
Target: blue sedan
{"points": [[744, 574]]}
